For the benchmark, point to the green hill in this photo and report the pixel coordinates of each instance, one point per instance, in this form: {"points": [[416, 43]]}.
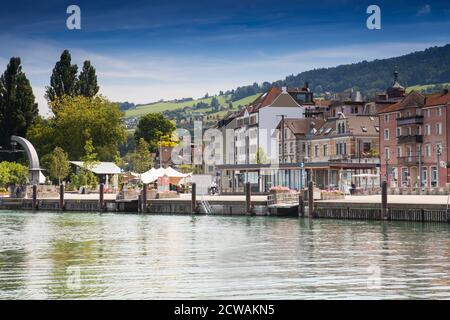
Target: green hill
{"points": [[141, 110]]}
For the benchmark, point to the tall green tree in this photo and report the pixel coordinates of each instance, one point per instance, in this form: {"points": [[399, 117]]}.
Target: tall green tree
{"points": [[18, 110], [153, 127], [64, 78], [142, 158], [87, 81], [59, 164], [78, 120]]}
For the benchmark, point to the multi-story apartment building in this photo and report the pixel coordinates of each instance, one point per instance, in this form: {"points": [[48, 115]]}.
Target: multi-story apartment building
{"points": [[414, 141], [253, 130], [343, 147]]}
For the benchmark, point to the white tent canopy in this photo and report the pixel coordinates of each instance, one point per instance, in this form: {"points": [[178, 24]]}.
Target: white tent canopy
{"points": [[153, 174]]}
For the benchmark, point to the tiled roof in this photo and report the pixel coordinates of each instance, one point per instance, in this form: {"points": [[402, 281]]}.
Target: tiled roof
{"points": [[437, 99], [413, 99], [355, 125], [301, 126]]}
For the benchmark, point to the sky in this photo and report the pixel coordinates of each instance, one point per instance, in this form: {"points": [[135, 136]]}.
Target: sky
{"points": [[145, 51]]}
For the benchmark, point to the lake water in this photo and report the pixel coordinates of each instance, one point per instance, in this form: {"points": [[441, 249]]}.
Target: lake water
{"points": [[118, 256]]}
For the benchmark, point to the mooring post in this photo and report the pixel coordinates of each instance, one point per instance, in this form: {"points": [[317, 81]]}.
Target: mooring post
{"points": [[248, 199], [384, 208], [311, 199], [144, 198], [34, 202], [61, 197], [301, 205], [139, 207], [194, 198], [102, 191]]}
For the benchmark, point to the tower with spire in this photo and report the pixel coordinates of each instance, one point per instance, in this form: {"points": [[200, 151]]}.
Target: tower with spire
{"points": [[396, 91]]}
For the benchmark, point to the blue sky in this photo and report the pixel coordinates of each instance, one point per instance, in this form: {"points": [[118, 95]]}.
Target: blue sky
{"points": [[148, 50]]}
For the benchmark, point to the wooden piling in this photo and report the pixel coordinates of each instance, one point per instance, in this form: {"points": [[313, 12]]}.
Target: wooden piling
{"points": [[248, 199], [139, 207], [301, 205], [384, 208], [102, 197], [144, 198], [34, 201], [194, 198], [311, 199], [61, 197]]}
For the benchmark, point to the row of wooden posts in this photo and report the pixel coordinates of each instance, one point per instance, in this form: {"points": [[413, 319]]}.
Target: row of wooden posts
{"points": [[142, 199]]}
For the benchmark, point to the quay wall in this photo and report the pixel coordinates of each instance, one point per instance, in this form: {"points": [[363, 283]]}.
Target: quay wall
{"points": [[322, 210]]}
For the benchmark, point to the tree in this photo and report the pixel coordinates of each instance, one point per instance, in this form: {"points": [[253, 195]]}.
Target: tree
{"points": [[78, 120], [141, 159], [152, 127], [87, 82], [59, 166], [18, 109], [214, 104], [261, 157], [12, 173], [64, 79]]}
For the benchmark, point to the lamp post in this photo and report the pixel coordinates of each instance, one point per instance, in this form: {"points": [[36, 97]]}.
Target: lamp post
{"points": [[386, 158], [438, 154]]}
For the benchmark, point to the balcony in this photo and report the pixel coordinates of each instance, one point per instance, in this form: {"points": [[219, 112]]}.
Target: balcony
{"points": [[404, 121], [418, 138], [408, 161]]}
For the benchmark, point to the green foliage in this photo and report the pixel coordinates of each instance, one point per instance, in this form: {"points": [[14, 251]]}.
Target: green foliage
{"points": [[12, 173], [17, 107], [64, 79], [87, 82], [261, 157], [78, 120], [59, 166], [141, 160], [152, 127]]}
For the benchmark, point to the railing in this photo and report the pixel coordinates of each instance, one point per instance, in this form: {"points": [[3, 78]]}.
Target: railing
{"points": [[418, 138], [283, 197], [412, 160], [402, 121]]}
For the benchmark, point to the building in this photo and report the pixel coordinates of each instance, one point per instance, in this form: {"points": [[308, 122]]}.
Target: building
{"points": [[343, 147], [414, 141], [249, 136]]}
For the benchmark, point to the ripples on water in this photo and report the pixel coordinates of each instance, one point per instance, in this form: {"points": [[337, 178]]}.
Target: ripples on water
{"points": [[207, 257]]}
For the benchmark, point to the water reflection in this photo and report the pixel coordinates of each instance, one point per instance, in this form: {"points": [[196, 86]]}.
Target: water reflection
{"points": [[154, 257]]}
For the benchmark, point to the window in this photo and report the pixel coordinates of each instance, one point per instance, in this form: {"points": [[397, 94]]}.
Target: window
{"points": [[399, 132], [434, 176], [325, 150], [316, 151], [427, 130], [386, 118], [387, 154], [409, 131], [386, 134], [364, 129], [377, 128], [439, 111], [438, 128], [399, 151], [427, 150]]}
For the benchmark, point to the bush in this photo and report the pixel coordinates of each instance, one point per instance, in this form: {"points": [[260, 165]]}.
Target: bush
{"points": [[12, 173]]}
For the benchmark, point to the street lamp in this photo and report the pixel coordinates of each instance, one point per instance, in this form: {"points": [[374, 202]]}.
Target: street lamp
{"points": [[438, 154]]}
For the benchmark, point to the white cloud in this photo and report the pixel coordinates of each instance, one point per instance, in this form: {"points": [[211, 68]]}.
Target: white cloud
{"points": [[426, 9], [142, 77]]}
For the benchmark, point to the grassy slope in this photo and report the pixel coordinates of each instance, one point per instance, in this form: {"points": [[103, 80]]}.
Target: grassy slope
{"points": [[425, 87], [163, 106]]}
